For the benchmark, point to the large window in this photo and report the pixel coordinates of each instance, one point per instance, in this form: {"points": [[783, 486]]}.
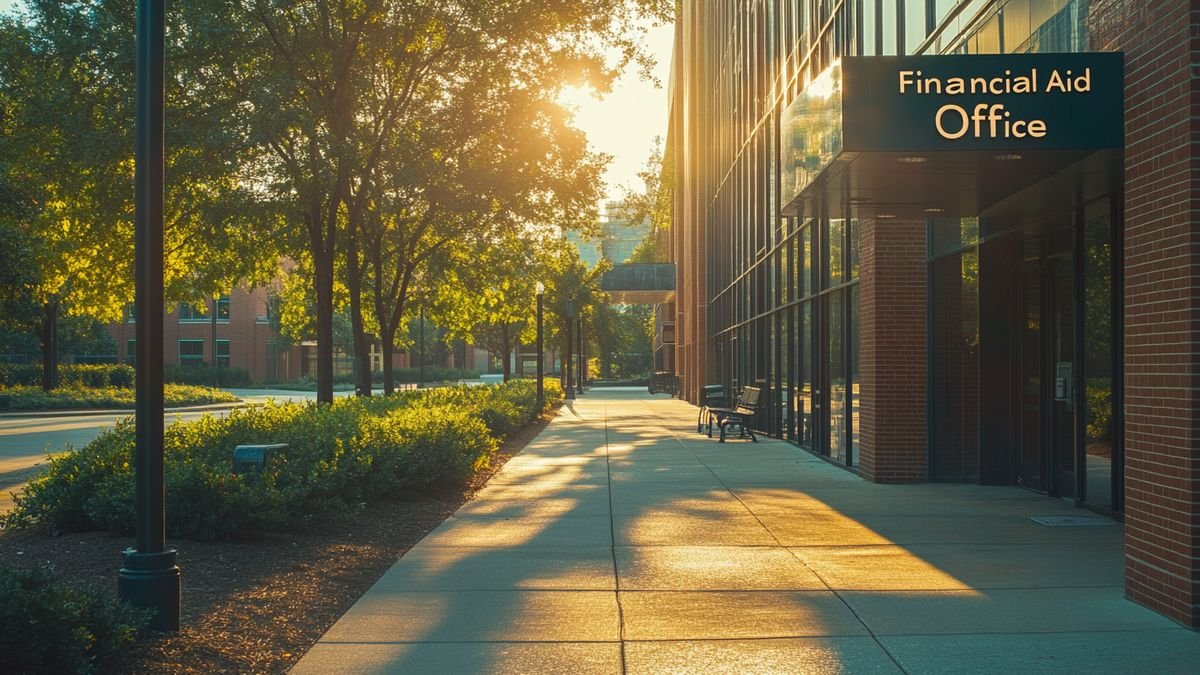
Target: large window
{"points": [[223, 353], [191, 352], [914, 25], [955, 355], [189, 312], [1098, 364]]}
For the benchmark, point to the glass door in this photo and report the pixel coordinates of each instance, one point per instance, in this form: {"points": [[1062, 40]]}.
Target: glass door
{"points": [[1048, 364]]}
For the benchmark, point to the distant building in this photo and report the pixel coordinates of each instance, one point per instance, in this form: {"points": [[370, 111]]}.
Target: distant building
{"points": [[621, 237], [618, 239]]}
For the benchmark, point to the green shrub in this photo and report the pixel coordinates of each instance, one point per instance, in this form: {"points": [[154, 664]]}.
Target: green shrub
{"points": [[53, 629], [204, 376], [20, 375], [77, 375], [76, 396], [339, 456], [1099, 409]]}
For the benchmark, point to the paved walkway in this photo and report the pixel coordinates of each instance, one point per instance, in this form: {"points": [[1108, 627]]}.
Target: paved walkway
{"points": [[623, 541]]}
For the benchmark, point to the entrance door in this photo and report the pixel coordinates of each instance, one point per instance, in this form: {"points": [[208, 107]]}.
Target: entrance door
{"points": [[1047, 364]]}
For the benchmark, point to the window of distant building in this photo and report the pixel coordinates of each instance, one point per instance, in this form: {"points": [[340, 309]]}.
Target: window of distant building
{"points": [[189, 312], [191, 352]]}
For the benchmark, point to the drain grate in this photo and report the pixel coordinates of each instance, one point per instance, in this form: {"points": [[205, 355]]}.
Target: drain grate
{"points": [[1071, 521]]}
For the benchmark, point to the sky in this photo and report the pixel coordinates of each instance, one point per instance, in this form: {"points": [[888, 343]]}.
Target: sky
{"points": [[624, 123]]}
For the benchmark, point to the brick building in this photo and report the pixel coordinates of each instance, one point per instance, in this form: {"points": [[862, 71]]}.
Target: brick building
{"points": [[239, 331], [993, 280]]}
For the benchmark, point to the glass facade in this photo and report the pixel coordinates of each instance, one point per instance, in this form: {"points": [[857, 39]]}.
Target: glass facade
{"points": [[1020, 308]]}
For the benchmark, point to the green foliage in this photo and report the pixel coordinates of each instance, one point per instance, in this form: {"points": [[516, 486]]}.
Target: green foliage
{"points": [[49, 628], [340, 456], [84, 375], [204, 375], [77, 396], [1099, 409]]}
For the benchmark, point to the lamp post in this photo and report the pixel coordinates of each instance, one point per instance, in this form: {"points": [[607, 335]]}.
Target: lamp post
{"points": [[421, 377], [567, 366], [582, 360], [541, 393], [149, 576]]}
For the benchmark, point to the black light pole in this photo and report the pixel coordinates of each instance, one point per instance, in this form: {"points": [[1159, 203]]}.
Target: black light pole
{"points": [[149, 576], [421, 377], [582, 361], [213, 325], [567, 366], [541, 392]]}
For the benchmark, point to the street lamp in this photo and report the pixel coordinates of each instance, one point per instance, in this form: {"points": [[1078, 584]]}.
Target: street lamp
{"points": [[570, 393], [581, 359], [149, 576], [541, 393]]}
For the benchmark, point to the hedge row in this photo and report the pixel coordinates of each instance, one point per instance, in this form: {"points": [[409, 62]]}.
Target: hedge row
{"points": [[81, 375], [204, 376], [49, 628], [340, 457], [76, 396], [118, 375]]}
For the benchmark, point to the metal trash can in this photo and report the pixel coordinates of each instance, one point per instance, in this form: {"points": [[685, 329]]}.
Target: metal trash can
{"points": [[712, 396]]}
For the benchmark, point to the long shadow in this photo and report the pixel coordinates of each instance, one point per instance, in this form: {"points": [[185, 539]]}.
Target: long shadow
{"points": [[870, 572]]}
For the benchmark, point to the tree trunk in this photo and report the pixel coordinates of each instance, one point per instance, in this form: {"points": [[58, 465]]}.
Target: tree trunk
{"points": [[49, 342], [323, 285], [387, 341], [362, 346], [506, 358]]}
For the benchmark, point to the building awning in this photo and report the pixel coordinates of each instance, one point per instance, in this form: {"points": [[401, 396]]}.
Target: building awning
{"points": [[920, 136], [640, 283]]}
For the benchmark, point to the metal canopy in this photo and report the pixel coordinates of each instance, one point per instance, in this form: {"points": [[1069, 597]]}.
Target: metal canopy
{"points": [[640, 283]]}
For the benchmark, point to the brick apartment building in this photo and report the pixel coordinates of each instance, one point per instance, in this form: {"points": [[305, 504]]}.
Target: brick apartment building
{"points": [[239, 330], [955, 240], [237, 327]]}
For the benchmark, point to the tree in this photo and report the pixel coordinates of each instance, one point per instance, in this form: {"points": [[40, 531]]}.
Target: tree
{"points": [[494, 305], [654, 202], [66, 111], [348, 86]]}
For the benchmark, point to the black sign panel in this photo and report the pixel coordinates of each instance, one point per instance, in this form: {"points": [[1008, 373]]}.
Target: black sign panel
{"points": [[991, 102]]}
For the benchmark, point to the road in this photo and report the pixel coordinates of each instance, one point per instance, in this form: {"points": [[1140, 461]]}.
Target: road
{"points": [[26, 441]]}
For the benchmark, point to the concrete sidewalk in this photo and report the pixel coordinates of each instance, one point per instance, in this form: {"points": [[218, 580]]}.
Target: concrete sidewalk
{"points": [[621, 540]]}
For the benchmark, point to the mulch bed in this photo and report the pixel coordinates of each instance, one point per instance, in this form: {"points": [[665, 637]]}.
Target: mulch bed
{"points": [[258, 606]]}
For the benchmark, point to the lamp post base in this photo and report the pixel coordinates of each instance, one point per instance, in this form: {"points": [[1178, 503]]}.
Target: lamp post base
{"points": [[152, 580]]}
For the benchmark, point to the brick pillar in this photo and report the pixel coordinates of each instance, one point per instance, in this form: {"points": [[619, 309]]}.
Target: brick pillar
{"points": [[892, 347], [1162, 299]]}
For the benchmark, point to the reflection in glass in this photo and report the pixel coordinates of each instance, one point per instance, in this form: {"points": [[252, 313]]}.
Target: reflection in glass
{"points": [[870, 28], [804, 412], [1098, 361], [806, 267], [955, 395], [914, 25], [854, 248], [837, 380], [834, 248], [887, 17], [852, 319]]}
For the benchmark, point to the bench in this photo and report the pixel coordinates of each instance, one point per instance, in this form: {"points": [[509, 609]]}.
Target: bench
{"points": [[740, 416]]}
